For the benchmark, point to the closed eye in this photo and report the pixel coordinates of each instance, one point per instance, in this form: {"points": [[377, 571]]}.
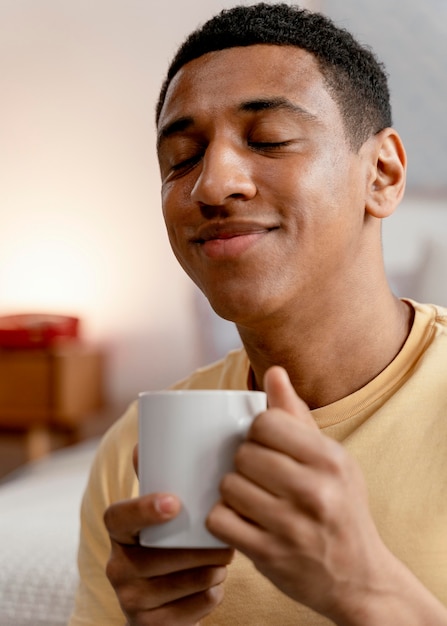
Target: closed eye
{"points": [[268, 145], [186, 163]]}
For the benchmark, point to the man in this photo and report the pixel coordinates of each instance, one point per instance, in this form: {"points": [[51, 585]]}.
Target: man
{"points": [[278, 163]]}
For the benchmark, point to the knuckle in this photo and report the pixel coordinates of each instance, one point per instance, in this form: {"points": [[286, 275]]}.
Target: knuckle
{"points": [[259, 425], [205, 578], [248, 456], [214, 576], [213, 596], [212, 518], [320, 501], [289, 529], [226, 484], [130, 599], [240, 458], [108, 517], [326, 504], [114, 571]]}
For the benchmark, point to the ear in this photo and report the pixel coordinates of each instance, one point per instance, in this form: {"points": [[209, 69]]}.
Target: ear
{"points": [[388, 175]]}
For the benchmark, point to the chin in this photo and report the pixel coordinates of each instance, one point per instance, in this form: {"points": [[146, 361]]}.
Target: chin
{"points": [[244, 299], [240, 310]]}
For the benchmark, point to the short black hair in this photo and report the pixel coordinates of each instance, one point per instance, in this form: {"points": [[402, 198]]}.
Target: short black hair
{"points": [[353, 75]]}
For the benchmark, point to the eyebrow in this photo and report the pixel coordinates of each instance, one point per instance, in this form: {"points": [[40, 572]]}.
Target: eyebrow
{"points": [[249, 106], [277, 103]]}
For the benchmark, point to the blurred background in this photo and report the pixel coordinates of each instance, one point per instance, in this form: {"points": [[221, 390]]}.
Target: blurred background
{"points": [[81, 227]]}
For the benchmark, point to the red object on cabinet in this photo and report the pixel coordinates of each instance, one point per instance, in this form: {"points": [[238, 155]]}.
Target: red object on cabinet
{"points": [[36, 330]]}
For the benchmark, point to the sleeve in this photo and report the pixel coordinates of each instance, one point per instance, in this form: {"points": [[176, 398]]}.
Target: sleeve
{"points": [[112, 478]]}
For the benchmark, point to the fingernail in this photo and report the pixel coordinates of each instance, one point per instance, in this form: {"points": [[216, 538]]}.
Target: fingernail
{"points": [[165, 505]]}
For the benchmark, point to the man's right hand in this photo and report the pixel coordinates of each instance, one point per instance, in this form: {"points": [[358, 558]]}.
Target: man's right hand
{"points": [[160, 586]]}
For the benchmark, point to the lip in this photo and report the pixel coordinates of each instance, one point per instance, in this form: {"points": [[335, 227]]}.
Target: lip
{"points": [[224, 240]]}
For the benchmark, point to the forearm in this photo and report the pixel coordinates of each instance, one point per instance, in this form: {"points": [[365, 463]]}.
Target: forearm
{"points": [[400, 600]]}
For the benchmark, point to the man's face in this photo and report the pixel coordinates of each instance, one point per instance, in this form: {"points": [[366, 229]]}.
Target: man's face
{"points": [[262, 196]]}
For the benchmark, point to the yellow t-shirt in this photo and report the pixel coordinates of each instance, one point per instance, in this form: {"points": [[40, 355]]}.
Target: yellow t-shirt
{"points": [[395, 426]]}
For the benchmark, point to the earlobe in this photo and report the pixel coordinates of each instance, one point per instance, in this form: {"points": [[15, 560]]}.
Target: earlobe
{"points": [[387, 184]]}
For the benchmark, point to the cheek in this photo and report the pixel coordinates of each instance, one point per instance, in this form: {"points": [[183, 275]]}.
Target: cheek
{"points": [[168, 202], [176, 201], [178, 215], [172, 217], [171, 214]]}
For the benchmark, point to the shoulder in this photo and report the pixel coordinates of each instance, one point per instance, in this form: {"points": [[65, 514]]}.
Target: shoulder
{"points": [[432, 317], [112, 472], [428, 354]]}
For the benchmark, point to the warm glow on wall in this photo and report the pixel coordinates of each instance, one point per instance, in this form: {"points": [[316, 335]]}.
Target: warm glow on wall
{"points": [[46, 270]]}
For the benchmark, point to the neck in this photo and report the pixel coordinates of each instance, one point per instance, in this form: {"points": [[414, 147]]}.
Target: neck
{"points": [[331, 352]]}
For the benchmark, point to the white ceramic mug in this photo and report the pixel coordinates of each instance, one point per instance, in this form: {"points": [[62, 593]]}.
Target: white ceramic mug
{"points": [[187, 442]]}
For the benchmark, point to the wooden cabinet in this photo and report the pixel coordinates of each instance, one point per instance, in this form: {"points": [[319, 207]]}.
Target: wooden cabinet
{"points": [[45, 390]]}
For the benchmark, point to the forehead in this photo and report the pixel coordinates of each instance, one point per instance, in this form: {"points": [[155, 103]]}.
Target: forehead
{"points": [[219, 81]]}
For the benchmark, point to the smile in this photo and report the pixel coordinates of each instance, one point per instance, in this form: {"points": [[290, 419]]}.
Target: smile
{"points": [[226, 241]]}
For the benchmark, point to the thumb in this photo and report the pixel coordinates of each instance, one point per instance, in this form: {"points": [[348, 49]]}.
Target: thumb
{"points": [[282, 395]]}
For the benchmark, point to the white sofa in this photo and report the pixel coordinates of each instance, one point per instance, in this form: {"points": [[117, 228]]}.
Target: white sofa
{"points": [[39, 528]]}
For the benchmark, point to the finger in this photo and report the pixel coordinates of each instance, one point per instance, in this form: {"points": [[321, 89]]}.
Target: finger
{"points": [[228, 526], [163, 589], [188, 610], [249, 501], [280, 518], [133, 563], [125, 519], [276, 473], [282, 395], [277, 430], [298, 494]]}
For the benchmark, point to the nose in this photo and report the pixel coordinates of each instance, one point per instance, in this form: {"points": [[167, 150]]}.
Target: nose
{"points": [[224, 173]]}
